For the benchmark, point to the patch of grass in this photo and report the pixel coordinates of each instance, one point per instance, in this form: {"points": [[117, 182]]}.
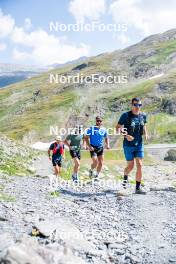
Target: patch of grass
{"points": [[139, 90], [161, 128], [67, 169], [119, 177], [164, 49], [6, 198], [14, 168], [55, 194], [39, 117], [114, 155], [8, 169]]}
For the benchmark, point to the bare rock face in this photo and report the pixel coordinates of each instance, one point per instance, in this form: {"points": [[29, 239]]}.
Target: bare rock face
{"points": [[59, 228], [171, 155], [6, 240], [23, 252], [169, 106], [28, 250], [65, 237]]}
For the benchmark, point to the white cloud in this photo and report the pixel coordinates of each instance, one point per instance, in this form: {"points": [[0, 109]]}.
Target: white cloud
{"points": [[20, 55], [91, 9], [148, 17], [122, 38], [6, 24], [45, 48], [28, 23], [2, 46]]}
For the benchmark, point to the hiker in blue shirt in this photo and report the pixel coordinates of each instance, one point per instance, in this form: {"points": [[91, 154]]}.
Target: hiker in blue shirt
{"points": [[95, 137], [134, 122]]}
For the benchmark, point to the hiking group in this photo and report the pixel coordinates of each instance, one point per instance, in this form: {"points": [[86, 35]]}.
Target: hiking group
{"points": [[96, 139]]}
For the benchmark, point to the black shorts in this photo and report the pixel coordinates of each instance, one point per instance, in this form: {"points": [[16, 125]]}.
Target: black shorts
{"points": [[98, 151], [75, 154], [57, 162]]}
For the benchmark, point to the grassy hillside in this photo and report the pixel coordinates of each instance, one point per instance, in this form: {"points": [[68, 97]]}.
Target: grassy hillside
{"points": [[28, 108]]}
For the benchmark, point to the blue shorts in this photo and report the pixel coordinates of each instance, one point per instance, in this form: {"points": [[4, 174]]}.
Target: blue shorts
{"points": [[133, 152]]}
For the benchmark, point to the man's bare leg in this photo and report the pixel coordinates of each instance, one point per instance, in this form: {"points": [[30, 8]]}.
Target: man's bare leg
{"points": [[100, 164], [75, 169], [138, 172], [57, 173], [93, 165], [76, 165], [127, 170]]}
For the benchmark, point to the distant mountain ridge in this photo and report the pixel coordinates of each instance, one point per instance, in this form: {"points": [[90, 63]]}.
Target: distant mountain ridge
{"points": [[12, 73], [8, 67], [61, 65]]}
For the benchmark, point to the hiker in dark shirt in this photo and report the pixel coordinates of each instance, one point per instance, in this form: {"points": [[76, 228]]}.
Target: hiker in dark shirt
{"points": [[57, 149], [135, 123], [74, 141]]}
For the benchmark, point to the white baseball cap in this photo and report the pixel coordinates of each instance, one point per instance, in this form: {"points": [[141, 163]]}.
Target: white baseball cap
{"points": [[58, 138]]}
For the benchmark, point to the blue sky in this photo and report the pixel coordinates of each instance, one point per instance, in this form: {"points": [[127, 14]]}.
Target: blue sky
{"points": [[25, 36]]}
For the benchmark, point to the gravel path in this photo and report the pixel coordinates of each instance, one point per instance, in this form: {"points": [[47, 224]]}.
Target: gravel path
{"points": [[115, 228]]}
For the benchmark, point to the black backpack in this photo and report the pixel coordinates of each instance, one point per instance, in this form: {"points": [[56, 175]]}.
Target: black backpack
{"points": [[130, 129]]}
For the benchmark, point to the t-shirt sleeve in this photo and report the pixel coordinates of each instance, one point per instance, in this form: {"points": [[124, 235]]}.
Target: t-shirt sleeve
{"points": [[105, 134], [68, 137], [122, 119], [51, 146]]}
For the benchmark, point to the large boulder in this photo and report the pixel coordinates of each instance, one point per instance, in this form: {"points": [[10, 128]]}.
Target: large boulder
{"points": [[6, 240], [171, 155], [169, 106], [28, 250], [63, 230]]}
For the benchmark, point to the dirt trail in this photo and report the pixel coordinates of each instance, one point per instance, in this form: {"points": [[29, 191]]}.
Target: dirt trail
{"points": [[119, 229]]}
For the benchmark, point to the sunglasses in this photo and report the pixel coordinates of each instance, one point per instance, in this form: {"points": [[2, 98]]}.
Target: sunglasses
{"points": [[137, 105], [98, 121]]}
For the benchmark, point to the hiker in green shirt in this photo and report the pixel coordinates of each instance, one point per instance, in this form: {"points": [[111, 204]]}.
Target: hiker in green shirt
{"points": [[73, 141]]}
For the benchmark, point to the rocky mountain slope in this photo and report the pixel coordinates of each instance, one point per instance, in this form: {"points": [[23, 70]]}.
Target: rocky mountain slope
{"points": [[15, 158], [29, 108]]}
